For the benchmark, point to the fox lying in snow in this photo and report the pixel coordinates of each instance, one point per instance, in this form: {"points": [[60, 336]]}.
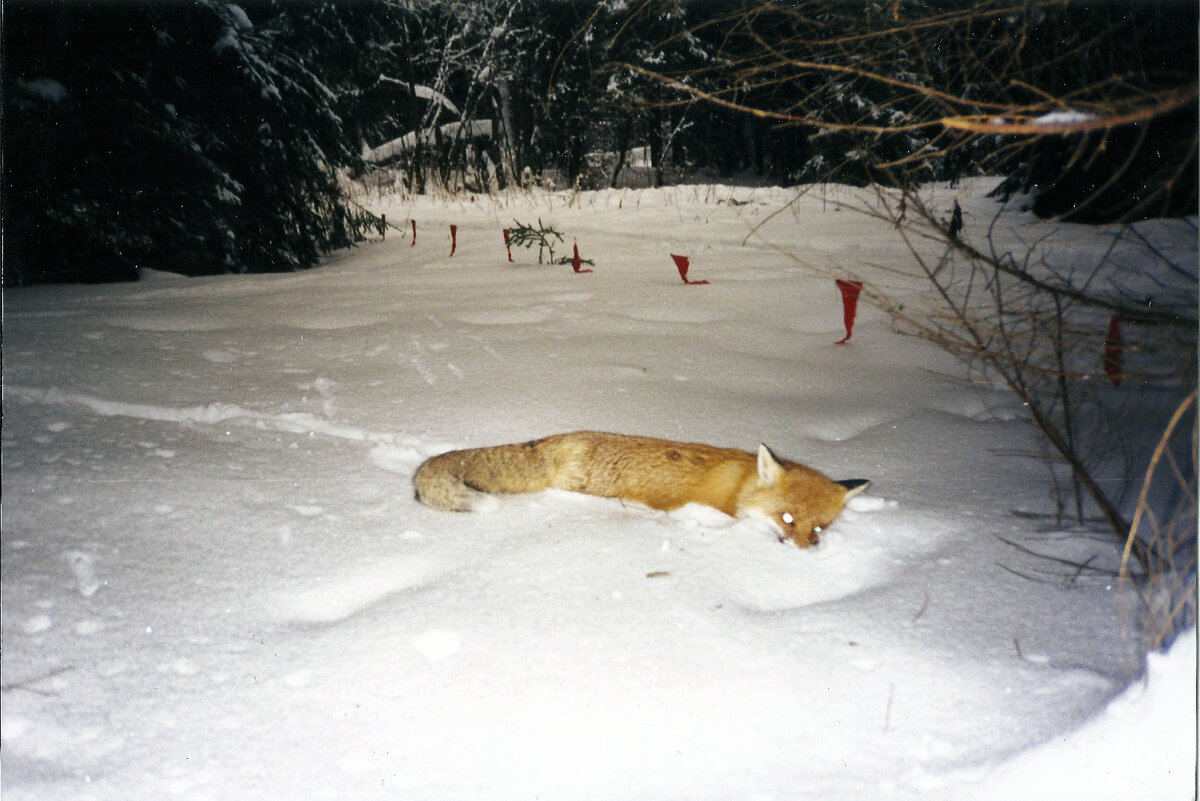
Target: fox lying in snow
{"points": [[659, 473]]}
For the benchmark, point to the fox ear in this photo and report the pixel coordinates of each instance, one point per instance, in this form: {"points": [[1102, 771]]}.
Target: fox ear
{"points": [[854, 485], [769, 468]]}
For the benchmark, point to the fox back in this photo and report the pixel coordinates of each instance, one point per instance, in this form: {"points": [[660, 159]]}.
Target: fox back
{"points": [[661, 474]]}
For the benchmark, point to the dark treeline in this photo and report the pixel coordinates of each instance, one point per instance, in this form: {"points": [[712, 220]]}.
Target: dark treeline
{"points": [[491, 94], [207, 137], [185, 136]]}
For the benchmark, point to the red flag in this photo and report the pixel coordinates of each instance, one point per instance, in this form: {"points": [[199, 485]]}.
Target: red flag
{"points": [[1112, 351], [849, 290], [453, 238], [682, 263], [575, 261], [507, 232], [414, 227]]}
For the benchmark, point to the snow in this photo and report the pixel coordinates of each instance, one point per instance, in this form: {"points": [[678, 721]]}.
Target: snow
{"points": [[1066, 117], [423, 92], [240, 18], [1090, 762], [218, 584], [408, 141], [47, 89]]}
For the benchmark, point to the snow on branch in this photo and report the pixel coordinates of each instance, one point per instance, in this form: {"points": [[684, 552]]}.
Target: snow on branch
{"points": [[1070, 121], [409, 140], [423, 92]]}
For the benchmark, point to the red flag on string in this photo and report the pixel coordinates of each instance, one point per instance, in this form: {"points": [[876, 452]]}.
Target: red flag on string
{"points": [[1112, 351], [849, 290], [453, 238], [414, 227], [575, 260], [508, 247], [682, 263]]}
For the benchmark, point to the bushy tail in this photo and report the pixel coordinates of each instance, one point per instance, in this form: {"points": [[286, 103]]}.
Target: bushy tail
{"points": [[461, 481], [438, 486]]}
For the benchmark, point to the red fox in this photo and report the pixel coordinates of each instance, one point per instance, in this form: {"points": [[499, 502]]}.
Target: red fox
{"points": [[659, 473]]}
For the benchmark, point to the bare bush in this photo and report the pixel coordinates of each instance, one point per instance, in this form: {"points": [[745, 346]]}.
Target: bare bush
{"points": [[1081, 111], [1041, 320], [1164, 524]]}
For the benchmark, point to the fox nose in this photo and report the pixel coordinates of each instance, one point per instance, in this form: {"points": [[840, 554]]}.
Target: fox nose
{"points": [[813, 537]]}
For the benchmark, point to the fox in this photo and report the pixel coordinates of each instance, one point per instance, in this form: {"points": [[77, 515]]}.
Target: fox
{"points": [[798, 501]]}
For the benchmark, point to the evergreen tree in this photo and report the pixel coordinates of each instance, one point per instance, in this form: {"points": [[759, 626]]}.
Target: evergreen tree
{"points": [[187, 137]]}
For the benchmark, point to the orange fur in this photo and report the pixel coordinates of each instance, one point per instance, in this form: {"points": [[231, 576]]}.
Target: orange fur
{"points": [[661, 474]]}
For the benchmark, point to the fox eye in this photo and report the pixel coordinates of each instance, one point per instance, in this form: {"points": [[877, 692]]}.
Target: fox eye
{"points": [[816, 529], [786, 517]]}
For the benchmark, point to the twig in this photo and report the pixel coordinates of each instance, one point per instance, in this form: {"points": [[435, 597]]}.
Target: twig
{"points": [[1080, 567], [24, 684], [924, 607]]}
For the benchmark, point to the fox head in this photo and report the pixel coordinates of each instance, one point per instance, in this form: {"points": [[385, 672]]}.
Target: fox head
{"points": [[798, 501]]}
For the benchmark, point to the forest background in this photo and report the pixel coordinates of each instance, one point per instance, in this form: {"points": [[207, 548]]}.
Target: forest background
{"points": [[210, 137]]}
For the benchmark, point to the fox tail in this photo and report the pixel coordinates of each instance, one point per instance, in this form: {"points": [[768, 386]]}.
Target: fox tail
{"points": [[465, 480]]}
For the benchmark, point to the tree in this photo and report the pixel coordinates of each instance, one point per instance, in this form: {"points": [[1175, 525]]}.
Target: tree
{"points": [[490, 90], [188, 137]]}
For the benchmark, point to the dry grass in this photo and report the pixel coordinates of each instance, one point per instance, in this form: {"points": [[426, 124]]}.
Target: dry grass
{"points": [[1166, 589]]}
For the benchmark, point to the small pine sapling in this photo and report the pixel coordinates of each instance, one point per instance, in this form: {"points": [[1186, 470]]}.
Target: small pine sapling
{"points": [[527, 236]]}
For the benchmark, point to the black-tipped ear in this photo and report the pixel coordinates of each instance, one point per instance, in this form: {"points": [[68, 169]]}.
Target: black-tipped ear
{"points": [[854, 486]]}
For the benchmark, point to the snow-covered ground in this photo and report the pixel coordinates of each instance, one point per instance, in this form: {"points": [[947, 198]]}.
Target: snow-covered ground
{"points": [[217, 583]]}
